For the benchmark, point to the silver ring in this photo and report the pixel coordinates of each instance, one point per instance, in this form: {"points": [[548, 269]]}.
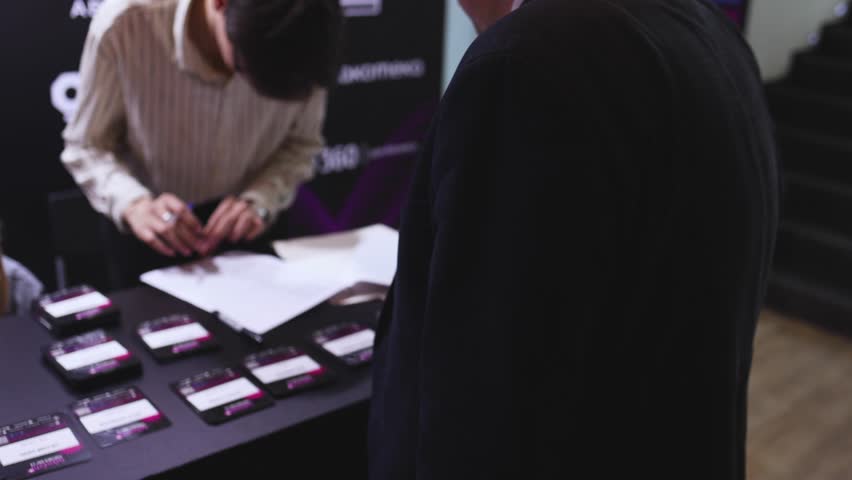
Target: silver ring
{"points": [[167, 217]]}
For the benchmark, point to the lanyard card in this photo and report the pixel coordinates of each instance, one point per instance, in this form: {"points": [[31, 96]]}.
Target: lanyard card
{"points": [[350, 342], [221, 395], [39, 445], [76, 310], [118, 416], [175, 336], [286, 370], [92, 359]]}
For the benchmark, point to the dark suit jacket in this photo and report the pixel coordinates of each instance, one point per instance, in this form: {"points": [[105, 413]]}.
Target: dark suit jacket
{"points": [[584, 253]]}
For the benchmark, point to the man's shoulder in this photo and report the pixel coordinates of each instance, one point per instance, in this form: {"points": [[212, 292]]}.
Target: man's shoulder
{"points": [[545, 31], [546, 28], [112, 12]]}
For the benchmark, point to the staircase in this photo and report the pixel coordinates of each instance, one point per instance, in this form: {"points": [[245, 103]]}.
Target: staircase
{"points": [[812, 108]]}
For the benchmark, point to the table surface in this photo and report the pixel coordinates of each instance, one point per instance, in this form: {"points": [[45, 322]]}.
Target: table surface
{"points": [[30, 388]]}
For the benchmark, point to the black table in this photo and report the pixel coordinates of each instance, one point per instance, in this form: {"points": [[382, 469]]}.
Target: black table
{"points": [[30, 388]]}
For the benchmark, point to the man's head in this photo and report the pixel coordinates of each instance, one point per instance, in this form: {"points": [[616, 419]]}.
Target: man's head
{"points": [[284, 48], [485, 13]]}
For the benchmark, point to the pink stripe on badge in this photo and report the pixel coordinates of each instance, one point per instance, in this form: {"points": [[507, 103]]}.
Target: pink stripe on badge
{"points": [[69, 451], [152, 419], [93, 312]]}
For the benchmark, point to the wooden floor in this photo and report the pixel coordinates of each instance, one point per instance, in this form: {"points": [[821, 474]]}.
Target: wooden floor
{"points": [[800, 419]]}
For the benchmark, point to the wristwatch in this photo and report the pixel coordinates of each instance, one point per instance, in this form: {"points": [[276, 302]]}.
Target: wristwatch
{"points": [[263, 213]]}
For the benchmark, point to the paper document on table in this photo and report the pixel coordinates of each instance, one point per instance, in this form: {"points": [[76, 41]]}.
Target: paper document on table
{"points": [[370, 252], [251, 292]]}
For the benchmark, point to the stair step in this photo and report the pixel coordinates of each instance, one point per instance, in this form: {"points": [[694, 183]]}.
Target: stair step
{"points": [[814, 154], [808, 110], [822, 73], [815, 255], [836, 40], [819, 203], [826, 307]]}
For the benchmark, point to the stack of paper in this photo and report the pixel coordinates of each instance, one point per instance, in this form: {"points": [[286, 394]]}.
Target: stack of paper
{"points": [[252, 293], [257, 293], [367, 254]]}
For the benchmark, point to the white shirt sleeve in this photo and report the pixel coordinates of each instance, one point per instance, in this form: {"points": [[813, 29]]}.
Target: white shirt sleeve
{"points": [[275, 187], [96, 134]]}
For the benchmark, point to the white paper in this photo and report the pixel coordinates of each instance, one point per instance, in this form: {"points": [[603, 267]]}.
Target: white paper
{"points": [[173, 336], [285, 369], [83, 303], [351, 343], [91, 355], [119, 416], [250, 291], [37, 447], [222, 394], [367, 254]]}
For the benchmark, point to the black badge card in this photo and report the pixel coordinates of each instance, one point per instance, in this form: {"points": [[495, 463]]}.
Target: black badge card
{"points": [[352, 343], [118, 416], [286, 370], [175, 336], [221, 395], [91, 360], [37, 446], [76, 310]]}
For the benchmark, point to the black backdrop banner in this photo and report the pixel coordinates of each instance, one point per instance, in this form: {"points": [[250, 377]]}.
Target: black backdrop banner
{"points": [[389, 87]]}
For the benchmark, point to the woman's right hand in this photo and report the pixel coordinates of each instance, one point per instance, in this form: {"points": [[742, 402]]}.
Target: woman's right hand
{"points": [[166, 224]]}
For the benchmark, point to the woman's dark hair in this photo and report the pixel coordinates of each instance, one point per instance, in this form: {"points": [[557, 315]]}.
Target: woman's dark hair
{"points": [[286, 48]]}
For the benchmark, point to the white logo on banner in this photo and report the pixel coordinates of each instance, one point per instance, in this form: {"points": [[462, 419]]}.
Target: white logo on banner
{"points": [[85, 9], [63, 93], [382, 71], [349, 156], [338, 158]]}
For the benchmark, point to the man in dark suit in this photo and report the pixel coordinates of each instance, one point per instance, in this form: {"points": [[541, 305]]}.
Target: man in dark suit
{"points": [[584, 253]]}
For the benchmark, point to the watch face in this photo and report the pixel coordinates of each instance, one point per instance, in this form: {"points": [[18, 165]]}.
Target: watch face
{"points": [[262, 213]]}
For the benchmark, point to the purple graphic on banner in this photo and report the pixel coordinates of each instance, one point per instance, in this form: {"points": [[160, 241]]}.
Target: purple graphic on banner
{"points": [[380, 191]]}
